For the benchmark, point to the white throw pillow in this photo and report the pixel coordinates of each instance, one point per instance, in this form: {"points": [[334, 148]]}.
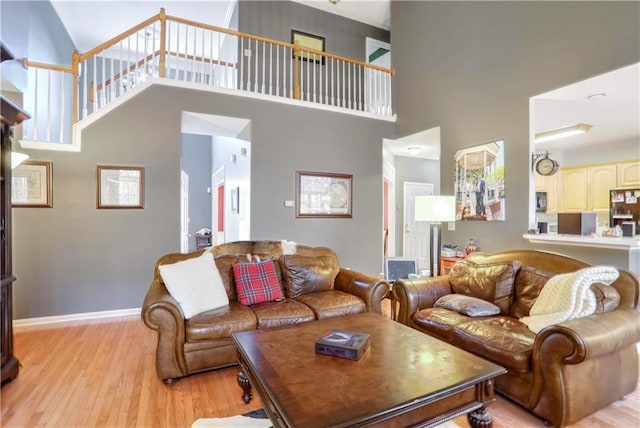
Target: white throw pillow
{"points": [[195, 284]]}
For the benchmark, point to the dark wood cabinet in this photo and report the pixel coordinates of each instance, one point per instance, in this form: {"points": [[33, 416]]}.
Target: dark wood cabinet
{"points": [[11, 115]]}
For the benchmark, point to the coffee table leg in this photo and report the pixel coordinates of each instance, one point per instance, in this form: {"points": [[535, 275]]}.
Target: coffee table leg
{"points": [[480, 418], [244, 383]]}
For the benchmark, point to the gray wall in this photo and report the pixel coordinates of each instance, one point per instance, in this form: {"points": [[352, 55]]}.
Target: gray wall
{"points": [[73, 258], [471, 67], [276, 19], [196, 162]]}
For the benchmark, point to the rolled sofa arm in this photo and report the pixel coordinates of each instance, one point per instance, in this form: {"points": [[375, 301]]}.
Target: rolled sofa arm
{"points": [[161, 312], [369, 288], [566, 354], [416, 294], [592, 336]]}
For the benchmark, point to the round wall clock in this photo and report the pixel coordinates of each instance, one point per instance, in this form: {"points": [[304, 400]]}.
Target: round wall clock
{"points": [[546, 166]]}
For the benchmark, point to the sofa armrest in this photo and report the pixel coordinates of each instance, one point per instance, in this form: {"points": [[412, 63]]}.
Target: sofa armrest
{"points": [[369, 288], [567, 356], [591, 336], [161, 312], [416, 294]]}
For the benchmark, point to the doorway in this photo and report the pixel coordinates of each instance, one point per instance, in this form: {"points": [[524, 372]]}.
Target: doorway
{"points": [[416, 233]]}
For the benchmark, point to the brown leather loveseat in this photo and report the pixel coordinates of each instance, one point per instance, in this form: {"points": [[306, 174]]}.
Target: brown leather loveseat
{"points": [[562, 373], [313, 284]]}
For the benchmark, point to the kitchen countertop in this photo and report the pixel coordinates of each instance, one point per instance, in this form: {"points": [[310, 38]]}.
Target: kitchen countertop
{"points": [[622, 243]]}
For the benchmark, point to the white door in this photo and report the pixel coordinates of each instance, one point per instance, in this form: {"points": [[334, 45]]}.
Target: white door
{"points": [[416, 233], [184, 212]]}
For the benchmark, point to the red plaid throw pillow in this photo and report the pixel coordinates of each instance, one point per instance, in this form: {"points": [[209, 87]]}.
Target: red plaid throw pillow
{"points": [[257, 282]]}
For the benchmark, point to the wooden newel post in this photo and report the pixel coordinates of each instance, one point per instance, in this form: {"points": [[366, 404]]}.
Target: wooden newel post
{"points": [[296, 70], [163, 43]]}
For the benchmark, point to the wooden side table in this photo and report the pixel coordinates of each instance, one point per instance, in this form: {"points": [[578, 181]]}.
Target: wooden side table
{"points": [[448, 262]]}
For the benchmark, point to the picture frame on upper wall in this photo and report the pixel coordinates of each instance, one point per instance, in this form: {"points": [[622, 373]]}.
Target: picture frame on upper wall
{"points": [[32, 184], [308, 41], [323, 195], [119, 187]]}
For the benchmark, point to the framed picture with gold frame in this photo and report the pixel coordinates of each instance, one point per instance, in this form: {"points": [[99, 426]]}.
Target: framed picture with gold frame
{"points": [[119, 187], [309, 41], [31, 184], [322, 194]]}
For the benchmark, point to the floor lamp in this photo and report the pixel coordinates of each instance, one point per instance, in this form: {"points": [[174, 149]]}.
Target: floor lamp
{"points": [[435, 209]]}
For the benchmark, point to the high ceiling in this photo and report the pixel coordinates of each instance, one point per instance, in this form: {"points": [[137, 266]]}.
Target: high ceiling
{"points": [[91, 22], [614, 117]]}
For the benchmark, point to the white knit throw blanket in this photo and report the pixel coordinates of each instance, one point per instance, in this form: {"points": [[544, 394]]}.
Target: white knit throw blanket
{"points": [[568, 296]]}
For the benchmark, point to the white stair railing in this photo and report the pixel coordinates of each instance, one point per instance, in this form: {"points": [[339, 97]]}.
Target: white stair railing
{"points": [[173, 48]]}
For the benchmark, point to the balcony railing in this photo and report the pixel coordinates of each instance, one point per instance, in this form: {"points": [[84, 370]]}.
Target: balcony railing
{"points": [[169, 47]]}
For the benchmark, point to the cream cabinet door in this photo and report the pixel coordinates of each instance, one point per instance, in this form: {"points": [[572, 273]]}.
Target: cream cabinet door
{"points": [[600, 181], [548, 184], [574, 190], [629, 174]]}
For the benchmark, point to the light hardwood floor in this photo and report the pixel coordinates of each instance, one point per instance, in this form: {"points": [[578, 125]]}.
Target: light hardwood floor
{"points": [[101, 373]]}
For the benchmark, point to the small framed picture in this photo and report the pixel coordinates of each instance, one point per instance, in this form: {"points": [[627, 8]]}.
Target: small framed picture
{"points": [[119, 187], [31, 184], [309, 41], [322, 194]]}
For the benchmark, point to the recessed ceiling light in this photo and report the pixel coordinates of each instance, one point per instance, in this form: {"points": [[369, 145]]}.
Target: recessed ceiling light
{"points": [[596, 96], [413, 151]]}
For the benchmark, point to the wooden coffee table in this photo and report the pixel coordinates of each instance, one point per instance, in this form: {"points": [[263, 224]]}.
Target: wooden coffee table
{"points": [[406, 378]]}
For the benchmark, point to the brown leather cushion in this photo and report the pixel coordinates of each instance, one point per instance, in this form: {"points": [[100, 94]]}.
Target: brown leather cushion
{"points": [[304, 274], [220, 323], [438, 322], [492, 282], [326, 304], [528, 284], [503, 340], [607, 297], [285, 312]]}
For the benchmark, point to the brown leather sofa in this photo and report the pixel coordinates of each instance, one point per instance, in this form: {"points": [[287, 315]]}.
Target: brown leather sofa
{"points": [[564, 372], [204, 342]]}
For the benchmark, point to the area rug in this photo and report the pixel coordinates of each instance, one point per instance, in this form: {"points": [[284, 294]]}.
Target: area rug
{"points": [[255, 419]]}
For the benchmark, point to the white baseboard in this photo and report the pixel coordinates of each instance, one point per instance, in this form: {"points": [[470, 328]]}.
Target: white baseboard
{"points": [[28, 322]]}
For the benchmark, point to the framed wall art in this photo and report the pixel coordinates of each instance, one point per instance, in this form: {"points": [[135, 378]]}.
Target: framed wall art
{"points": [[310, 41], [31, 184], [479, 186], [322, 194], [119, 187]]}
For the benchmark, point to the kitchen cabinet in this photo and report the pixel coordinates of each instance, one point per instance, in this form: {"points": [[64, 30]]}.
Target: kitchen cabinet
{"points": [[629, 174], [574, 190], [601, 179], [587, 188], [548, 184]]}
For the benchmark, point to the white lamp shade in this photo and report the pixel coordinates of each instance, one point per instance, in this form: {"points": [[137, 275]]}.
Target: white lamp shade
{"points": [[435, 208]]}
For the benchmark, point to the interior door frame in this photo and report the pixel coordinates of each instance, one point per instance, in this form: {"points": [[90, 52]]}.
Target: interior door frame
{"points": [[418, 246]]}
